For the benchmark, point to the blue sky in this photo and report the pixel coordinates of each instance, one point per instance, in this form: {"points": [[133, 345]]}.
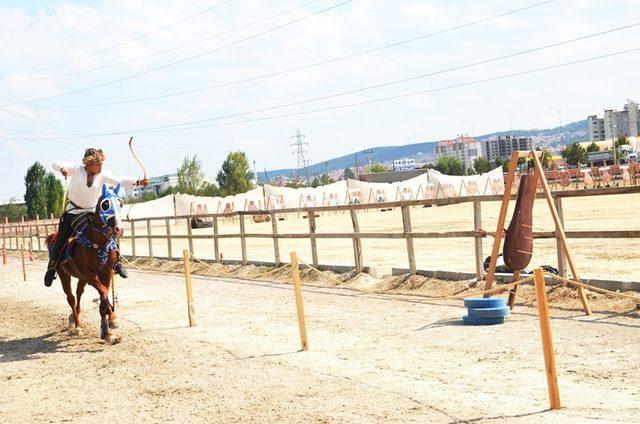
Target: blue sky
{"points": [[41, 34]]}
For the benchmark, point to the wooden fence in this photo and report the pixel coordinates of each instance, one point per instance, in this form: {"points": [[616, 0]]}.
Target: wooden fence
{"points": [[38, 230]]}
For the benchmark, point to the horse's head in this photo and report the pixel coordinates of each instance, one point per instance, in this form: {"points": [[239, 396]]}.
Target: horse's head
{"points": [[109, 209]]}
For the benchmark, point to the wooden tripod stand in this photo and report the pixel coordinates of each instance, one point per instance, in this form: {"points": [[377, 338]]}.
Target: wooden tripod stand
{"points": [[533, 155]]}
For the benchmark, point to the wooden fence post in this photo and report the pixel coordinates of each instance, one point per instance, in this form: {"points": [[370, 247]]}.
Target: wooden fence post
{"points": [[167, 225], [276, 241], [243, 239], [299, 305], [311, 215], [477, 224], [24, 266], [406, 224], [190, 233], [133, 238], [562, 260], [547, 341], [149, 238], [114, 292], [357, 242], [187, 278], [216, 244]]}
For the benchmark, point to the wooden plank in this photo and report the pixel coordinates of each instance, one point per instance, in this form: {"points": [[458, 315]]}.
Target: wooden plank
{"points": [[190, 236], [562, 261], [547, 339], [149, 238], [560, 232], [311, 215], [406, 225], [216, 243], [477, 225], [243, 240], [24, 266], [497, 241], [302, 326], [167, 225], [38, 237], [357, 243], [276, 243]]}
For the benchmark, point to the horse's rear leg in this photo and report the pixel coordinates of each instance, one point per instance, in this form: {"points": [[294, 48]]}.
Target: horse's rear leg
{"points": [[79, 291], [65, 279]]}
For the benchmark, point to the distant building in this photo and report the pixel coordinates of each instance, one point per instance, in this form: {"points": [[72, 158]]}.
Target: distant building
{"points": [[467, 149], [502, 147], [404, 164], [615, 123], [157, 185]]}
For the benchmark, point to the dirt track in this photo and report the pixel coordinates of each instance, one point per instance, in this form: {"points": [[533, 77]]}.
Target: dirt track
{"points": [[370, 358]]}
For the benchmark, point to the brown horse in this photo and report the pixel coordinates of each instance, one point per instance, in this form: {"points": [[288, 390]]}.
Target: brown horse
{"points": [[93, 254]]}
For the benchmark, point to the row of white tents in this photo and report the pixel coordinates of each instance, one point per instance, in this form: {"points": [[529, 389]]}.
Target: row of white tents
{"points": [[430, 185]]}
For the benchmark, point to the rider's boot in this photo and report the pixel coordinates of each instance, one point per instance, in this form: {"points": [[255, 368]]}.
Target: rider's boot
{"points": [[50, 275], [120, 270]]}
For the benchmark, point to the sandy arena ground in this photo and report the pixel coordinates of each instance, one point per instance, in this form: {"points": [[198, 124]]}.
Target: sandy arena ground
{"points": [[613, 259], [372, 358]]}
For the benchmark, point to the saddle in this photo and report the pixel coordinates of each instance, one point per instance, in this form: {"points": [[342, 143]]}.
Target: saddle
{"points": [[518, 241]]}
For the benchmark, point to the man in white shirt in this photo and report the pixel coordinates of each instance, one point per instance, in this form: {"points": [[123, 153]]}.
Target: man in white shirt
{"points": [[84, 190]]}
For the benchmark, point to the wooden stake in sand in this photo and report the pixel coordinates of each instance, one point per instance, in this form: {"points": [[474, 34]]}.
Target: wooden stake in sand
{"points": [[299, 305], [4, 254], [24, 267], [187, 277], [114, 292], [547, 341]]}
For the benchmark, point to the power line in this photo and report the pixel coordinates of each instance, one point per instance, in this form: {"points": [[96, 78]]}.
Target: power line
{"points": [[80, 90], [378, 100], [182, 46], [300, 68], [399, 81], [132, 40]]}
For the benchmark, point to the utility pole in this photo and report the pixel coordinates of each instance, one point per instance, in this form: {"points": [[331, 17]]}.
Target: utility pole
{"points": [[255, 174], [613, 135], [355, 156], [368, 152], [299, 151]]}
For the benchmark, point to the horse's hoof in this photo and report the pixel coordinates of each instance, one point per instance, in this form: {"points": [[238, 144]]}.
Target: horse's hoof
{"points": [[113, 324], [81, 324]]}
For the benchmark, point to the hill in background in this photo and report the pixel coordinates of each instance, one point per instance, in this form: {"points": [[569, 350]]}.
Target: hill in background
{"points": [[549, 138]]}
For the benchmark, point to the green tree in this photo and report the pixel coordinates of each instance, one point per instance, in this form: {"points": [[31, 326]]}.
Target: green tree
{"points": [[449, 165], [593, 147], [235, 176], [36, 191], [315, 183], [55, 193], [574, 154], [190, 176], [146, 196], [378, 167], [545, 159], [209, 190], [348, 174], [481, 165], [622, 139], [294, 184], [12, 210], [325, 179]]}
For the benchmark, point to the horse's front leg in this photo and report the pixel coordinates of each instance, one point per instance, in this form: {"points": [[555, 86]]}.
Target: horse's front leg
{"points": [[105, 307], [79, 291], [74, 320]]}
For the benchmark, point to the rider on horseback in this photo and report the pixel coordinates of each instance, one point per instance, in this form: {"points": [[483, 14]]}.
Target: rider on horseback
{"points": [[85, 188]]}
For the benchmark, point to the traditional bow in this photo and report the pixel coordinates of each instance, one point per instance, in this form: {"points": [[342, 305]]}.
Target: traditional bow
{"points": [[136, 157]]}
